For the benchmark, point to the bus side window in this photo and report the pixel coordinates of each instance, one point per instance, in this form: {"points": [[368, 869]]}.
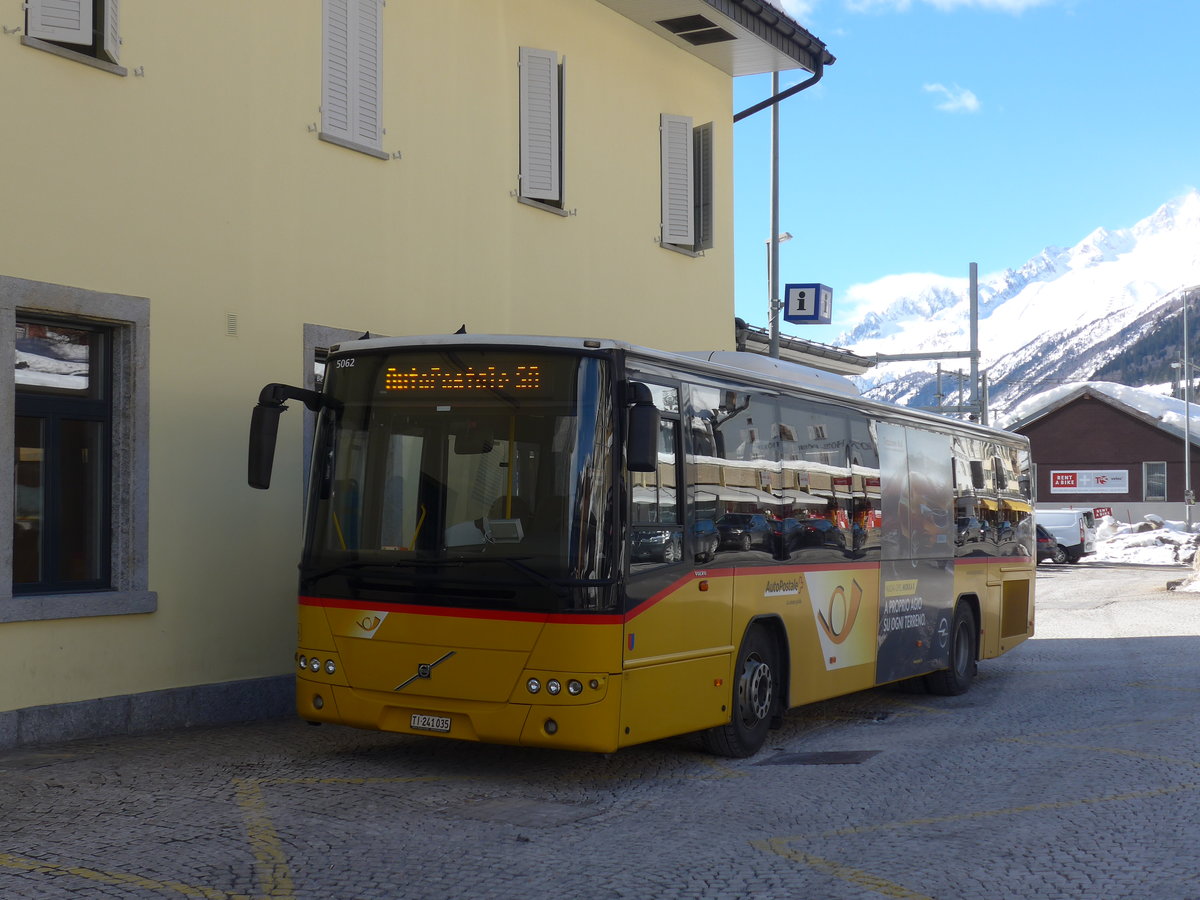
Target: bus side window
{"points": [[656, 526]]}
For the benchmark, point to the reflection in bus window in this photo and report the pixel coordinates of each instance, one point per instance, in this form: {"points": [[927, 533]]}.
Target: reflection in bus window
{"points": [[783, 479], [991, 506], [656, 535]]}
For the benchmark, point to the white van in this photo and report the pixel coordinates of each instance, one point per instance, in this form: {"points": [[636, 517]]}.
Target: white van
{"points": [[1074, 529]]}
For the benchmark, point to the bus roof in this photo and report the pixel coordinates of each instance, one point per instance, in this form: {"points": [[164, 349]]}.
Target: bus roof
{"points": [[754, 367]]}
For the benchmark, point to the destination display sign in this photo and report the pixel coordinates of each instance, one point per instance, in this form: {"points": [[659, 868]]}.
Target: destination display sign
{"points": [[525, 377]]}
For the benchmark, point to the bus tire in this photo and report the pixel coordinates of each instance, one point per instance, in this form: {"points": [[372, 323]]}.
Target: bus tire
{"points": [[756, 691], [956, 679]]}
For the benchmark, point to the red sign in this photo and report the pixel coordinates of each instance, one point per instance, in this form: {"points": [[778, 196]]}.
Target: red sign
{"points": [[1101, 511], [1064, 479]]}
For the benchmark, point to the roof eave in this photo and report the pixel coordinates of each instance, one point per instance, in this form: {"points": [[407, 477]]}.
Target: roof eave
{"points": [[750, 37]]}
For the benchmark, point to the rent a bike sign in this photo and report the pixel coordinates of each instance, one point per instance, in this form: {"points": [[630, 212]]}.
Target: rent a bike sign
{"points": [[1089, 481]]}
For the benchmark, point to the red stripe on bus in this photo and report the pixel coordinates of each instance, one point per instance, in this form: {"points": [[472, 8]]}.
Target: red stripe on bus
{"points": [[772, 571], [991, 560], [600, 619]]}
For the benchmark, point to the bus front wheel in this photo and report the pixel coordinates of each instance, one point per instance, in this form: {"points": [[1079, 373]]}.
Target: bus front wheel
{"points": [[755, 698]]}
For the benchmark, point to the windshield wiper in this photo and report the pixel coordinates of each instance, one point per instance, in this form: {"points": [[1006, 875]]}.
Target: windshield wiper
{"points": [[560, 586], [366, 564]]}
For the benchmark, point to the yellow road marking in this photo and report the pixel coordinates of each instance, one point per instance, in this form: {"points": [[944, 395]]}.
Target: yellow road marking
{"points": [[274, 877], [837, 870], [781, 846], [11, 861]]}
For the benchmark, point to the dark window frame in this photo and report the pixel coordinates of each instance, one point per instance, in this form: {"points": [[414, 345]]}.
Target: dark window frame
{"points": [[128, 317], [55, 408]]}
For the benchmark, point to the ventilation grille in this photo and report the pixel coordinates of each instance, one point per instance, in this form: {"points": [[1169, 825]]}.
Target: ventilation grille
{"points": [[697, 30]]}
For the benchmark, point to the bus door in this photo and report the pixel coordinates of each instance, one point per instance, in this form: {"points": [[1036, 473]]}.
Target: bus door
{"points": [[916, 592], [676, 638]]}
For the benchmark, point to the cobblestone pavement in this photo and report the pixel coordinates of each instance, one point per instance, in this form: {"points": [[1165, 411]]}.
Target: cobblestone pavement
{"points": [[1069, 770]]}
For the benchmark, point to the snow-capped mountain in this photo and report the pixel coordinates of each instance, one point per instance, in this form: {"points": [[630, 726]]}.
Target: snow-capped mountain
{"points": [[1062, 316]]}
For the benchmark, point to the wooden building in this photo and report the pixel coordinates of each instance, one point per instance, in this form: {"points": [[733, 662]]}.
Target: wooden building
{"points": [[1110, 447]]}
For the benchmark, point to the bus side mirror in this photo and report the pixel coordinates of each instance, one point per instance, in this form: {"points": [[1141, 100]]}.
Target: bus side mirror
{"points": [[264, 429], [641, 438]]}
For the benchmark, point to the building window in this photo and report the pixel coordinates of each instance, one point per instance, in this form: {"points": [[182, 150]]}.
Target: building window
{"points": [[61, 452], [687, 208], [1154, 481], [351, 74], [79, 487], [87, 30], [317, 341]]}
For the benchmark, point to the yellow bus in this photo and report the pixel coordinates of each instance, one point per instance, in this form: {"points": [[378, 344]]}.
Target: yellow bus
{"points": [[585, 544]]}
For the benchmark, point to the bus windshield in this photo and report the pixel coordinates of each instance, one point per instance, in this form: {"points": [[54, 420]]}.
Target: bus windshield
{"points": [[463, 477]]}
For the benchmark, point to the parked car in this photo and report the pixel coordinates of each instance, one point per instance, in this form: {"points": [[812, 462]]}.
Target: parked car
{"points": [[657, 543], [707, 539], [744, 531], [969, 529], [797, 534], [1074, 529], [1049, 548]]}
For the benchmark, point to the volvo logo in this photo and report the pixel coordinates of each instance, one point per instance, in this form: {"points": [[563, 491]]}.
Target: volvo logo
{"points": [[424, 670]]}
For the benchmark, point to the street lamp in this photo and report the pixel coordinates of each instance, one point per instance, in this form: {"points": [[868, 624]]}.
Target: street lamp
{"points": [[774, 304], [1186, 371]]}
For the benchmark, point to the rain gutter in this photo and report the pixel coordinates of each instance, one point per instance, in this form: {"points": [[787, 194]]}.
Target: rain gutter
{"points": [[783, 95]]}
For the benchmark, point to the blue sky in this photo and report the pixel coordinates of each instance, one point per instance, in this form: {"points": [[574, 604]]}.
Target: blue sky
{"points": [[959, 131]]}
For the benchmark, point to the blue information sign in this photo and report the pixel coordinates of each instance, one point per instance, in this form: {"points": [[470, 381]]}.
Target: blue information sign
{"points": [[808, 304]]}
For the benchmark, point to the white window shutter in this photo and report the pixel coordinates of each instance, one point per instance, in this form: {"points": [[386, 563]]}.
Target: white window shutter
{"points": [[69, 21], [677, 206], [336, 69], [368, 23], [702, 163], [540, 126], [111, 44], [350, 76]]}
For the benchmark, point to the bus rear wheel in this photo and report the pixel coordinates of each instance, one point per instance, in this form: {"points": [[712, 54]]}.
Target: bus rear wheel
{"points": [[956, 679], [755, 698]]}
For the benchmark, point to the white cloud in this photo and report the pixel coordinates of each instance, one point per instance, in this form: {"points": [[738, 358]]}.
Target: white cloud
{"points": [[797, 9], [957, 99], [1006, 6]]}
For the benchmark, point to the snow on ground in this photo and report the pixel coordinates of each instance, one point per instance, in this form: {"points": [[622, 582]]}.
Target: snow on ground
{"points": [[1153, 542]]}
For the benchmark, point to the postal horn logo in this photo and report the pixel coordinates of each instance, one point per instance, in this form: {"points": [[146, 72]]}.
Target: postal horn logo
{"points": [[837, 617]]}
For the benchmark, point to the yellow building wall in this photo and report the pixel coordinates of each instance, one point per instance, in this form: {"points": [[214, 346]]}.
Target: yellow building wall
{"points": [[198, 181]]}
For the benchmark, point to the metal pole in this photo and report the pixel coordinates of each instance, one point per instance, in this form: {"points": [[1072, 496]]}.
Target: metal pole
{"points": [[975, 402], [773, 253], [1187, 421]]}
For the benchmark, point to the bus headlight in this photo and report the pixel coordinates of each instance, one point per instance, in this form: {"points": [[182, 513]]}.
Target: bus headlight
{"points": [[330, 667], [533, 685], [314, 665], [553, 686], [574, 688], [303, 662]]}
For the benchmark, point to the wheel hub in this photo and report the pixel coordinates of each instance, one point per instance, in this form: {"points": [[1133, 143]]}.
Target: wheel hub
{"points": [[755, 690]]}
